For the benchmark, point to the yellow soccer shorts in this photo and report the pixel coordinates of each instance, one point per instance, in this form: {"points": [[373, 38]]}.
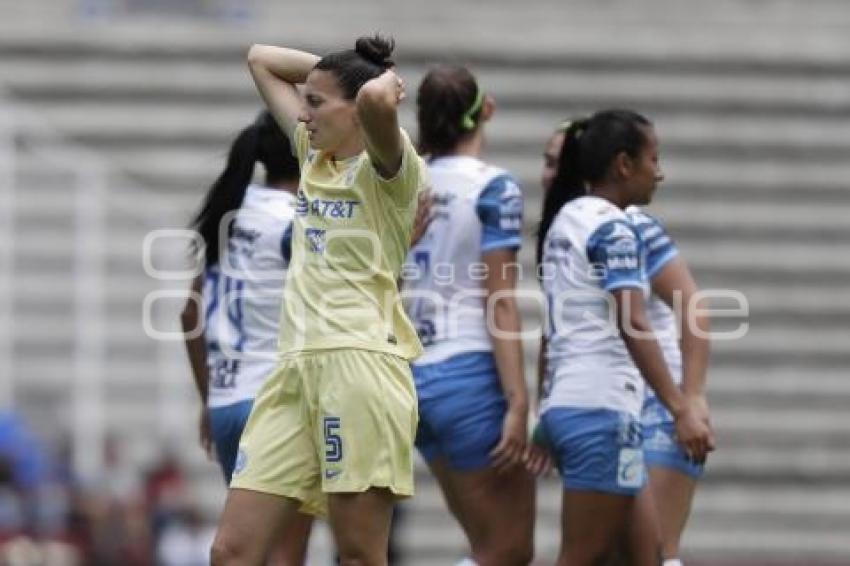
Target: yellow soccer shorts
{"points": [[331, 421]]}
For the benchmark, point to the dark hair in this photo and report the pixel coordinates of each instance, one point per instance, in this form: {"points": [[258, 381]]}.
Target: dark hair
{"points": [[262, 141], [590, 147], [448, 107], [354, 67]]}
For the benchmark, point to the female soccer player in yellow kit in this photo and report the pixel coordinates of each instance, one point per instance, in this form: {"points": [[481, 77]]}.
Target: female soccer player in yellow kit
{"points": [[332, 430]]}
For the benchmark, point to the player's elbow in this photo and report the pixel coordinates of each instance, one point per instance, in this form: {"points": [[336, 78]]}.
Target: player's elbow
{"points": [[255, 55], [373, 99], [633, 324]]}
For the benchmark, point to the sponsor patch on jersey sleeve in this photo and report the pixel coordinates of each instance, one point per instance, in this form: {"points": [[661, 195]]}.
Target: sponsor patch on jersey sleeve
{"points": [[500, 209], [614, 251], [659, 246]]}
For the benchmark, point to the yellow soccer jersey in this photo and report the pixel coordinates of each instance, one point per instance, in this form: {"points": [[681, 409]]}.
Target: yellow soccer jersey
{"points": [[349, 238]]}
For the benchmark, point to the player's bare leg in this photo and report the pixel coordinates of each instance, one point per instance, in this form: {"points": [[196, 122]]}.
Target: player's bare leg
{"points": [[674, 493], [496, 511], [360, 523], [291, 546], [592, 525], [249, 527]]}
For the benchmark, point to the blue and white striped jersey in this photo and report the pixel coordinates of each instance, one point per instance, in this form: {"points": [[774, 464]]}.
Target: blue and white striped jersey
{"points": [[478, 208], [591, 249], [242, 297]]}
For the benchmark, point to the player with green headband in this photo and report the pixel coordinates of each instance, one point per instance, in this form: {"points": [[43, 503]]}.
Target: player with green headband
{"points": [[473, 402]]}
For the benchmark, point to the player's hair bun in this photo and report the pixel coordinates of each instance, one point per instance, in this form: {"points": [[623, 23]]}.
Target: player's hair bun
{"points": [[376, 49]]}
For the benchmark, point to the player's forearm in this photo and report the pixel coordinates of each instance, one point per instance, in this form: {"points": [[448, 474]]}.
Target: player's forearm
{"points": [[640, 341], [197, 350], [507, 350], [696, 348], [649, 360], [288, 65], [197, 360], [377, 108], [196, 347], [379, 95]]}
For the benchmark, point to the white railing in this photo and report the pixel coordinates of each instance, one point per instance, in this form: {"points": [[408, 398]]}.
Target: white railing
{"points": [[88, 180]]}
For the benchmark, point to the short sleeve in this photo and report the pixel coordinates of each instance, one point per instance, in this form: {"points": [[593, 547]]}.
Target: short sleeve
{"points": [[499, 208], [410, 179], [614, 249], [660, 247]]}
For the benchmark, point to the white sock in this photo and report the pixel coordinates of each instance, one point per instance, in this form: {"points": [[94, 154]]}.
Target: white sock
{"points": [[468, 562], [672, 562]]}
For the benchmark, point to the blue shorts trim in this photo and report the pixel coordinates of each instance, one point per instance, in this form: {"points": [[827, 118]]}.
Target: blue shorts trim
{"points": [[461, 410], [660, 448], [596, 449], [226, 424]]}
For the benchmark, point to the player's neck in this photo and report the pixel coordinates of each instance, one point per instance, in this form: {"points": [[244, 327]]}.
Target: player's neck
{"points": [[611, 194], [471, 146], [351, 147]]}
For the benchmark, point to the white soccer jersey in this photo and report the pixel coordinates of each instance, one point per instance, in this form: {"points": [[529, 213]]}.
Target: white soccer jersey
{"points": [[660, 249], [477, 208], [590, 250], [242, 296]]}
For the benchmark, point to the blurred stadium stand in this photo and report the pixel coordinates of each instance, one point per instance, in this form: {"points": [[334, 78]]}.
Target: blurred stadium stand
{"points": [[115, 116]]}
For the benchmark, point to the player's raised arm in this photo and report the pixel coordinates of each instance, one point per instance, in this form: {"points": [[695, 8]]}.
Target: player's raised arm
{"points": [[276, 71], [377, 104]]}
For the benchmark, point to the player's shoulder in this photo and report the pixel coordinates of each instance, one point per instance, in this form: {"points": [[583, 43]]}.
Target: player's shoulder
{"points": [[497, 178], [640, 218], [266, 212], [474, 173], [278, 203], [649, 227], [588, 213]]}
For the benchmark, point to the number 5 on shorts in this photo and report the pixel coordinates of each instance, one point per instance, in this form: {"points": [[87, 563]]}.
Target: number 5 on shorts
{"points": [[333, 442]]}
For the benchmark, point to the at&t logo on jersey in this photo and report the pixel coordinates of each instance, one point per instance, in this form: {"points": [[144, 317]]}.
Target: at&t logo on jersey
{"points": [[325, 208]]}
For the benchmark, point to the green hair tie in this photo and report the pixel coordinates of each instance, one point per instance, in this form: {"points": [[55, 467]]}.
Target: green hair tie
{"points": [[466, 122]]}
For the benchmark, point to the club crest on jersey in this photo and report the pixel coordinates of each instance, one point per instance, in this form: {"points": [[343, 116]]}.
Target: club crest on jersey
{"points": [[315, 240]]}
